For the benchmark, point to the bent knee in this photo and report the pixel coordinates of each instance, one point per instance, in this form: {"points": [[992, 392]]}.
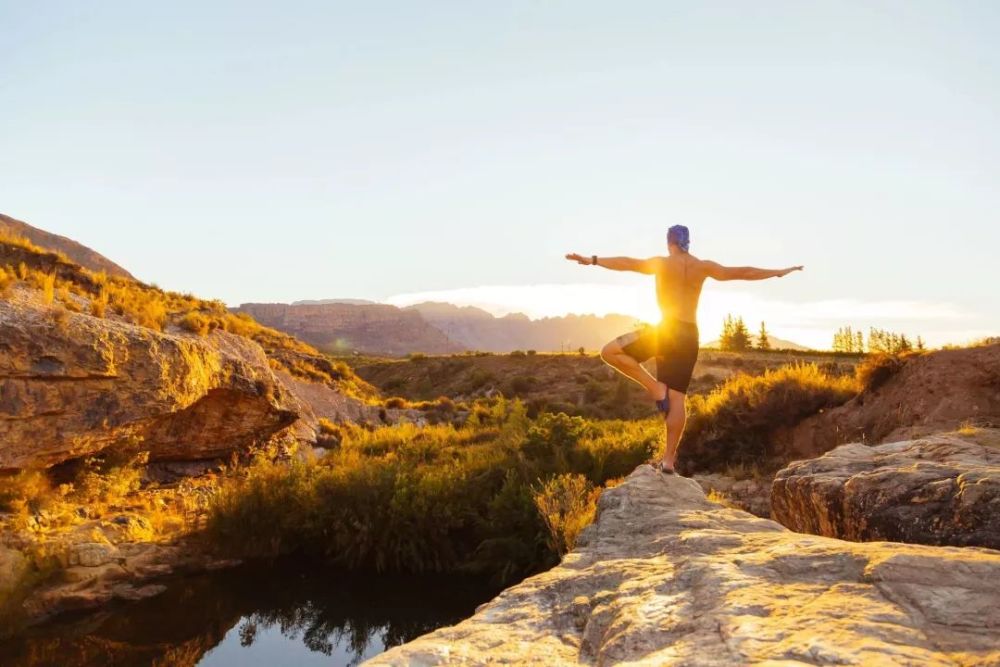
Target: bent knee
{"points": [[610, 350]]}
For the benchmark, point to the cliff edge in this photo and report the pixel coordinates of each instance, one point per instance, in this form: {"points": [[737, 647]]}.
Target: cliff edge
{"points": [[664, 576]]}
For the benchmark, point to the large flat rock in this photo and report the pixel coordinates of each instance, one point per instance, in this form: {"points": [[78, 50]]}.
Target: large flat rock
{"points": [[665, 576], [941, 489]]}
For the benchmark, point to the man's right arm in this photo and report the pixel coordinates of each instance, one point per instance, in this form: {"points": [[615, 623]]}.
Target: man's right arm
{"points": [[719, 272]]}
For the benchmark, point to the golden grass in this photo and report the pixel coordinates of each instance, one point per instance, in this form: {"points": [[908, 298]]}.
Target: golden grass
{"points": [[153, 308], [734, 424]]}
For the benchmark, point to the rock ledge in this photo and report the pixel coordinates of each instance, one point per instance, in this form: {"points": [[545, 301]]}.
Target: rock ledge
{"points": [[665, 576]]}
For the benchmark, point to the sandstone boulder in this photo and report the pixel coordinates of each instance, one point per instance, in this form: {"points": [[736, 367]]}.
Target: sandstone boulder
{"points": [[942, 489], [665, 576], [72, 384]]}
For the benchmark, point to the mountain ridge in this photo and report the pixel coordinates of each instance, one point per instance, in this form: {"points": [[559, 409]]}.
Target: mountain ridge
{"points": [[76, 251]]}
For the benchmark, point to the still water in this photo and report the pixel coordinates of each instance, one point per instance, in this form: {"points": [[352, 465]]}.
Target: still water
{"points": [[279, 614]]}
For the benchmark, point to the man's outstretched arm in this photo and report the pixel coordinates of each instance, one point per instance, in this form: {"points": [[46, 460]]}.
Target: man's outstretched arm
{"points": [[719, 272], [617, 263]]}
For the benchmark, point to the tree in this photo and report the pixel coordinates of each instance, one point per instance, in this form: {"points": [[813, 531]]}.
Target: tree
{"points": [[726, 337], [844, 340], [763, 342], [735, 335]]}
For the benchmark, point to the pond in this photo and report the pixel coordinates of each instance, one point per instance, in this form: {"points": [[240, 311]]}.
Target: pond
{"points": [[284, 613]]}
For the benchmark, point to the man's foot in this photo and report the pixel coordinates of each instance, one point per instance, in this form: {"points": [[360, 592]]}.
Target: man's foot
{"points": [[660, 466]]}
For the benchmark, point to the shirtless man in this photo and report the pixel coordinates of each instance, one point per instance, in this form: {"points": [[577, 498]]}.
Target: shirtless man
{"points": [[674, 342]]}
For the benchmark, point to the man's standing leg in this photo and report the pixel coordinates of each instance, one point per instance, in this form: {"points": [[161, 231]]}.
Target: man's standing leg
{"points": [[674, 421]]}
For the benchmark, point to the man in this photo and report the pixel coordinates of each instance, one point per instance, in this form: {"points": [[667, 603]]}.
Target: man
{"points": [[674, 342]]}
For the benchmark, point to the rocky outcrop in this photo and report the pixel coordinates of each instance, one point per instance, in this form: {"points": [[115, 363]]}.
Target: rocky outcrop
{"points": [[751, 495], [72, 385], [666, 577], [346, 327], [942, 489], [929, 393], [77, 252]]}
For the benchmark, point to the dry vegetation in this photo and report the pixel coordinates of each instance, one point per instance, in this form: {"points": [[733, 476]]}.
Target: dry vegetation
{"points": [[100, 500], [438, 497], [576, 384], [733, 425], [63, 283]]}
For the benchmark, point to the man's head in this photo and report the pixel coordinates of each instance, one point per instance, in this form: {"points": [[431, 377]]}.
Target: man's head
{"points": [[679, 238]]}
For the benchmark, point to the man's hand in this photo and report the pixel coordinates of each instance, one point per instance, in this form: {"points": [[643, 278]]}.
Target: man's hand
{"points": [[579, 259]]}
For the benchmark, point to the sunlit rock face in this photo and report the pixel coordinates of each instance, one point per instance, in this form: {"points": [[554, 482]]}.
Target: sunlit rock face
{"points": [[665, 576], [74, 384], [941, 489]]}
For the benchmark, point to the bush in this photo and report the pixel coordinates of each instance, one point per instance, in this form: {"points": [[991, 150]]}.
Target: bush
{"points": [[195, 322], [567, 504], [396, 403], [735, 422], [523, 384], [27, 491], [876, 369], [7, 278]]}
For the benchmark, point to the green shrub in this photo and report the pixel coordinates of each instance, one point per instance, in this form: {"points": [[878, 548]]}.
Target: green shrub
{"points": [[440, 497]]}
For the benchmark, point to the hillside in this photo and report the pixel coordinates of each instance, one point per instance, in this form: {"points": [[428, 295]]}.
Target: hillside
{"points": [[573, 383], [152, 354], [477, 329], [76, 252], [344, 328]]}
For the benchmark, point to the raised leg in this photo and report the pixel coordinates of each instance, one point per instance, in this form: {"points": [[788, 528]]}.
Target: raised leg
{"points": [[614, 356]]}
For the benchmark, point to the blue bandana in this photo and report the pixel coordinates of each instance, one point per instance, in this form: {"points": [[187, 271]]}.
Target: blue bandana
{"points": [[679, 236]]}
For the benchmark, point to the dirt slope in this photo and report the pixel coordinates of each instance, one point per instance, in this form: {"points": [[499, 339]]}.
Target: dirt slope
{"points": [[77, 252]]}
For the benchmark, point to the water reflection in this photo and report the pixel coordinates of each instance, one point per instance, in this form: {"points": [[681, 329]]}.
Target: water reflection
{"points": [[284, 613]]}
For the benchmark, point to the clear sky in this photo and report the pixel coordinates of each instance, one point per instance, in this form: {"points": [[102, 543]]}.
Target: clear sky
{"points": [[398, 150]]}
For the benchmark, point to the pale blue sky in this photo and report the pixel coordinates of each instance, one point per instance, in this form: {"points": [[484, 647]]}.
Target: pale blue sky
{"points": [[282, 151]]}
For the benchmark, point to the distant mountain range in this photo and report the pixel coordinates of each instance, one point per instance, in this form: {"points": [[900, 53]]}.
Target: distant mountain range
{"points": [[776, 344], [346, 326], [476, 329]]}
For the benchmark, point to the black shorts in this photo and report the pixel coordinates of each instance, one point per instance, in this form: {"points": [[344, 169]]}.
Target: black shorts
{"points": [[675, 346]]}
